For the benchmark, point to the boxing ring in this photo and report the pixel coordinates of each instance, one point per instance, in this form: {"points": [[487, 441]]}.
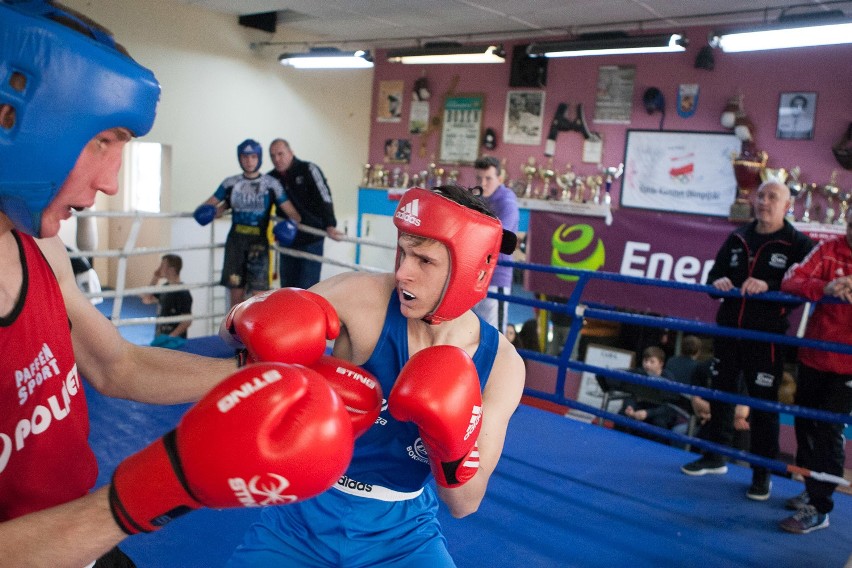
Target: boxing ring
{"points": [[567, 492]]}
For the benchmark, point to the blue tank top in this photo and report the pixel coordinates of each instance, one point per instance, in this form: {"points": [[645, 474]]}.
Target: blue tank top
{"points": [[390, 453]]}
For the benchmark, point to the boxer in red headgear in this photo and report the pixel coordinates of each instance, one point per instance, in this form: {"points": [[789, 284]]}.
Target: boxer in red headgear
{"points": [[451, 383]]}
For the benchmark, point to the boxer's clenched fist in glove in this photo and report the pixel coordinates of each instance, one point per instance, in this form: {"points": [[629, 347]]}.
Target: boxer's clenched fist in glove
{"points": [[360, 391], [289, 325], [438, 389], [270, 434]]}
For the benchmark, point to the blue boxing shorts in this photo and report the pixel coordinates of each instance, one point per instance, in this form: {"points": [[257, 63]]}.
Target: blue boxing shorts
{"points": [[344, 529]]}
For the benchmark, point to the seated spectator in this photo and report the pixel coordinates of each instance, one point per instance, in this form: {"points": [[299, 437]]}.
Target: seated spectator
{"points": [[655, 413], [681, 367], [172, 335]]}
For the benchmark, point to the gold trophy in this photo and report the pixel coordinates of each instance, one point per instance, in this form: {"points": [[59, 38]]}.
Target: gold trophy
{"points": [[439, 176], [844, 207], [529, 170], [747, 168], [546, 175], [566, 182], [377, 176], [831, 192], [580, 192], [595, 183], [809, 201], [365, 175], [795, 187]]}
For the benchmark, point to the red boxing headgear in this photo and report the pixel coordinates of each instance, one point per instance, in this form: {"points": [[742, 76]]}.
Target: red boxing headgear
{"points": [[472, 238]]}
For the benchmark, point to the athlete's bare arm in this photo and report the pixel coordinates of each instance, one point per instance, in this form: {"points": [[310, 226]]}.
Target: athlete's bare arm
{"points": [[119, 368]]}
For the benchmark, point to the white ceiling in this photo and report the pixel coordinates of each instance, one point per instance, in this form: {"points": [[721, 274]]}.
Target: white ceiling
{"points": [[379, 23]]}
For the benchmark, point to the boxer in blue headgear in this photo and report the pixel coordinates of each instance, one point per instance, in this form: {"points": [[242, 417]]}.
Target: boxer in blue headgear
{"points": [[70, 99], [54, 75], [252, 148]]}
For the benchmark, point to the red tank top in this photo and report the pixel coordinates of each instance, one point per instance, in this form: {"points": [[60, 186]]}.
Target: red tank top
{"points": [[45, 458]]}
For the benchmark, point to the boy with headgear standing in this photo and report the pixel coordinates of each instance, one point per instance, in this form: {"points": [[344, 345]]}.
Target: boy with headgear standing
{"points": [[451, 382], [61, 136], [250, 196]]}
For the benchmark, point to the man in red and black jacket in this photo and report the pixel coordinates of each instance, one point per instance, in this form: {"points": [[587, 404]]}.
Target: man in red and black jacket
{"points": [[824, 379], [753, 260]]}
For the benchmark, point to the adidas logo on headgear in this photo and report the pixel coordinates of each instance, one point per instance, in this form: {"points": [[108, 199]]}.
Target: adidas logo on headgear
{"points": [[410, 213]]}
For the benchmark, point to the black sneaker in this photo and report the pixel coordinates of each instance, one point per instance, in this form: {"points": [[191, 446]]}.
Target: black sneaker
{"points": [[761, 486], [705, 465], [798, 502]]}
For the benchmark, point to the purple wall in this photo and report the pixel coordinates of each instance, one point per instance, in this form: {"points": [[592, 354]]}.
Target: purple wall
{"points": [[759, 76]]}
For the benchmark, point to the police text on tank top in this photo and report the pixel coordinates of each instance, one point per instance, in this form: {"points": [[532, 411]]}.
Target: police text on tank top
{"points": [[45, 458]]}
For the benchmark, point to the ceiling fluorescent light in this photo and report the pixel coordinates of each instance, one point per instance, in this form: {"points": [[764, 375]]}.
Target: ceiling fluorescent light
{"points": [[327, 58], [609, 44], [452, 53], [806, 33]]}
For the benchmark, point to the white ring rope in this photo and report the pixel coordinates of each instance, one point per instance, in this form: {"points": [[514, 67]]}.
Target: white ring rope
{"points": [[130, 250]]}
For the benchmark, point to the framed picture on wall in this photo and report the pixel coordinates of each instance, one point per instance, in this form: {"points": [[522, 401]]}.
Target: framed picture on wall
{"points": [[796, 113], [524, 117], [461, 130], [680, 171], [398, 150]]}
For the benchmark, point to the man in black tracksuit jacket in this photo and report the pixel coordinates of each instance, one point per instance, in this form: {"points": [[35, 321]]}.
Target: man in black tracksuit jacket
{"points": [[752, 259], [306, 187]]}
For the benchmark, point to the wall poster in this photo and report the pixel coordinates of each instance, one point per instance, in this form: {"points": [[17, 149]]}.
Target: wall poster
{"points": [[461, 129], [389, 105], [614, 100]]}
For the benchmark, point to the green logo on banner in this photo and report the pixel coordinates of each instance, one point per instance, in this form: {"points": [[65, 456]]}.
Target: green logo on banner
{"points": [[571, 242]]}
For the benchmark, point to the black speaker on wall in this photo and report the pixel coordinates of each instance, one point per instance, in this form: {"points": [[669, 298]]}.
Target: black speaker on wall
{"points": [[527, 71], [264, 21]]}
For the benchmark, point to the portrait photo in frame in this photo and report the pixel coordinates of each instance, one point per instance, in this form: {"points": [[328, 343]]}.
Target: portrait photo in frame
{"points": [[398, 150], [796, 113]]}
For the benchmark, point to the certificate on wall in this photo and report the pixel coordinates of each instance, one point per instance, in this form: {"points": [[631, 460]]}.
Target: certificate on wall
{"points": [[461, 130], [681, 172], [614, 101], [418, 118]]}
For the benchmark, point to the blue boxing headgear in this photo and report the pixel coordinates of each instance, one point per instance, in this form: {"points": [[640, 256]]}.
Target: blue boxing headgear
{"points": [[63, 88], [249, 146]]}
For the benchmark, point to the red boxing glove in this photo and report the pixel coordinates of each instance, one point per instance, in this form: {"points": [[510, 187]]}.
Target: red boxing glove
{"points": [[360, 391], [289, 325], [269, 434], [438, 389]]}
